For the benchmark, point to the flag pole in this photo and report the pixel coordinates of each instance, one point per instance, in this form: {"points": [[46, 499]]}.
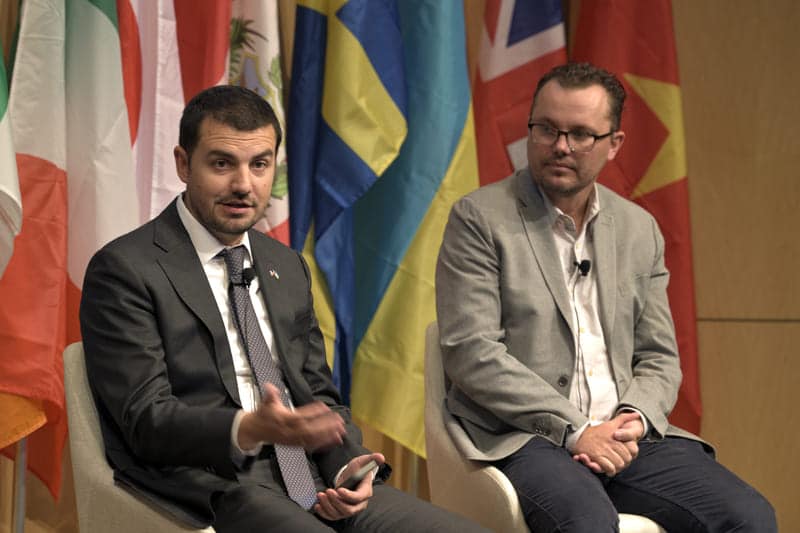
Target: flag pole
{"points": [[413, 475], [19, 485]]}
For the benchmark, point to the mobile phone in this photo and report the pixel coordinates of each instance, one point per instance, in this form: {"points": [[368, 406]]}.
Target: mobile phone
{"points": [[352, 482]]}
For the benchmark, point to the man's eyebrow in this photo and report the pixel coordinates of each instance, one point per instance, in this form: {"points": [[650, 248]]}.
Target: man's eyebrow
{"points": [[269, 152], [220, 153]]}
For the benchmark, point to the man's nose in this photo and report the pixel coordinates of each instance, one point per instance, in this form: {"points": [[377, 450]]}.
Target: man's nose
{"points": [[561, 143], [242, 180]]}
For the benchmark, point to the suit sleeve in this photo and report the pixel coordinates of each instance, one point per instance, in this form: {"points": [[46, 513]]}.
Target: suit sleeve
{"points": [[470, 315], [656, 366], [129, 373]]}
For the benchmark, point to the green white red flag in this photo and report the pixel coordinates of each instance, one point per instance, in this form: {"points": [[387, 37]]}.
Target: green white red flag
{"points": [[10, 199], [70, 128]]}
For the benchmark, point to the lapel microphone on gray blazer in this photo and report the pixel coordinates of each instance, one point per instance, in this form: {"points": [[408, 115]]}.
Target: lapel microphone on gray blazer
{"points": [[584, 267]]}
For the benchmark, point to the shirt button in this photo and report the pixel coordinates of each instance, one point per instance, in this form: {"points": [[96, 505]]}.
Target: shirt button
{"points": [[562, 381]]}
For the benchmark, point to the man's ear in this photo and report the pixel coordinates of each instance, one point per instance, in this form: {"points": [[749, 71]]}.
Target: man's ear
{"points": [[181, 163], [616, 143]]}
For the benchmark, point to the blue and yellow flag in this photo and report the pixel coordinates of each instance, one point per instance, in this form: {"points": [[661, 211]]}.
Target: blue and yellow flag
{"points": [[376, 159], [347, 124]]}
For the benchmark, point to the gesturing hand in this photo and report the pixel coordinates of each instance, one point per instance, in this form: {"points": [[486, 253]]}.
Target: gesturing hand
{"points": [[339, 503], [313, 426]]}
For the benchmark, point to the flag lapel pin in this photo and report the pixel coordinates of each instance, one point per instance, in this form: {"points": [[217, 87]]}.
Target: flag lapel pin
{"points": [[274, 274]]}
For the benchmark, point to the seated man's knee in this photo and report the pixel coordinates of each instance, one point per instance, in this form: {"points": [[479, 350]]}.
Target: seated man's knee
{"points": [[605, 521], [573, 516], [753, 514]]}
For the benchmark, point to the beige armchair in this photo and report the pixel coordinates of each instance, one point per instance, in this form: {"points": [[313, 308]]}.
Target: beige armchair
{"points": [[102, 505], [476, 490]]}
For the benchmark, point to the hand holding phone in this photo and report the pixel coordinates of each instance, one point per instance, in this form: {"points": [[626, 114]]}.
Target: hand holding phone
{"points": [[352, 482]]}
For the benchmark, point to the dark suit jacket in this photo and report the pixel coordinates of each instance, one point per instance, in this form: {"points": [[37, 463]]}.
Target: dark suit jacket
{"points": [[160, 366]]}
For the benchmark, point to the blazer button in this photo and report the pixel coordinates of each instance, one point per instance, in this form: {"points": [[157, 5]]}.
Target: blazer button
{"points": [[562, 381]]}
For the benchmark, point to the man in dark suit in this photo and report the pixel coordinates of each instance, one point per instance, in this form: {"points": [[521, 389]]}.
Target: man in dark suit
{"points": [[557, 336], [184, 419]]}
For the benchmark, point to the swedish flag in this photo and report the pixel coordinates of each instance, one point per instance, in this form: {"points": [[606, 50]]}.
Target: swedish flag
{"points": [[381, 142], [347, 125]]}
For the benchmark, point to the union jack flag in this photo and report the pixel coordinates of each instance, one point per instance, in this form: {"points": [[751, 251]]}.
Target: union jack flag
{"points": [[521, 40]]}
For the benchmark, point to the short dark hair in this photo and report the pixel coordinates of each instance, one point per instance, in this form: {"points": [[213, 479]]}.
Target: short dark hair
{"points": [[580, 75], [237, 107]]}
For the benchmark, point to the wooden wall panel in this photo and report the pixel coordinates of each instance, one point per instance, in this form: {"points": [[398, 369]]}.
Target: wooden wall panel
{"points": [[8, 22], [749, 377], [739, 78]]}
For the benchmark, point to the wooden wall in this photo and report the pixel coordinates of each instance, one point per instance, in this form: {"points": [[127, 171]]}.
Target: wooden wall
{"points": [[739, 77]]}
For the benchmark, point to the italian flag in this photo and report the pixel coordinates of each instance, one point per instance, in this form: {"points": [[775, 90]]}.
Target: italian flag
{"points": [[10, 202], [73, 151], [20, 415]]}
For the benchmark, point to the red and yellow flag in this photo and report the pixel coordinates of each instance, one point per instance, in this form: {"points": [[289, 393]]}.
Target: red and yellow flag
{"points": [[635, 40]]}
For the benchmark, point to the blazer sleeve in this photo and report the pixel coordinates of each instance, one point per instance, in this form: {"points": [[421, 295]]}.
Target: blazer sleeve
{"points": [[129, 373], [656, 372]]}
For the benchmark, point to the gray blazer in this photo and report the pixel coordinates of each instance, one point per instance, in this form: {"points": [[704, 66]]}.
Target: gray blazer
{"points": [[503, 308]]}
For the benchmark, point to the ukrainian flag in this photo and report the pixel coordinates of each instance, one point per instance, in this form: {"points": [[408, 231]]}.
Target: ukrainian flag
{"points": [[400, 151]]}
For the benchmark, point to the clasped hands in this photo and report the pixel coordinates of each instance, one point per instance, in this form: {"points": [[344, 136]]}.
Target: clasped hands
{"points": [[610, 447], [313, 427]]}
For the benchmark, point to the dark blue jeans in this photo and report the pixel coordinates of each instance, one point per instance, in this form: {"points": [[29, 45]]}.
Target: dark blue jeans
{"points": [[675, 482]]}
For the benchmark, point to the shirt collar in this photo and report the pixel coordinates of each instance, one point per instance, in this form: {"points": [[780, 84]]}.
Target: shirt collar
{"points": [[554, 213], [205, 244]]}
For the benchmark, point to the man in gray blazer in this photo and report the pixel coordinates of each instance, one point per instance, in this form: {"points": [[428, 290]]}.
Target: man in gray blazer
{"points": [[557, 337], [184, 419]]}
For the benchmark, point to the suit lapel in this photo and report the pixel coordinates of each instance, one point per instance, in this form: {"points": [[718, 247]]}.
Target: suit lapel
{"points": [[540, 235], [605, 251], [276, 296], [183, 268]]}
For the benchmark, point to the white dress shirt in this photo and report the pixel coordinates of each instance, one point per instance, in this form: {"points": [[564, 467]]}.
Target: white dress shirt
{"points": [[593, 389], [208, 247]]}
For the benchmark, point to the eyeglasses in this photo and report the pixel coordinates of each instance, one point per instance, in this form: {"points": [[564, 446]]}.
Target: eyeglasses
{"points": [[577, 140]]}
